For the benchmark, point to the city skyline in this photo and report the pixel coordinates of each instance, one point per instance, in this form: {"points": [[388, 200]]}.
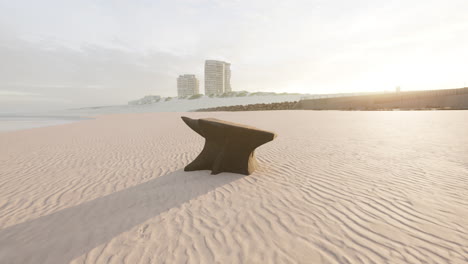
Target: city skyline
{"points": [[216, 76]]}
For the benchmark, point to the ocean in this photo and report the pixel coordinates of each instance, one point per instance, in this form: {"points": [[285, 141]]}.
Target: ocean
{"points": [[18, 122]]}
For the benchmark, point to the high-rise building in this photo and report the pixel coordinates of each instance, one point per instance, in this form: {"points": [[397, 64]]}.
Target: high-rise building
{"points": [[217, 77], [227, 77], [187, 85]]}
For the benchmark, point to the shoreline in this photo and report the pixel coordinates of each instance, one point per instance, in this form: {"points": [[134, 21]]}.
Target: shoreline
{"points": [[11, 123], [14, 123]]}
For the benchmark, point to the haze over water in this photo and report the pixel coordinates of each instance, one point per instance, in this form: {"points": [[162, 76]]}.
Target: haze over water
{"points": [[15, 122]]}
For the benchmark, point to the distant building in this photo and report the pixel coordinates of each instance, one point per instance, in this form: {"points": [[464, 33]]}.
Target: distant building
{"points": [[397, 89], [217, 77], [187, 85]]}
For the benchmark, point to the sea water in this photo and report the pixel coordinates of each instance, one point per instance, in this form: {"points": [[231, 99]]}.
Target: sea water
{"points": [[18, 122]]}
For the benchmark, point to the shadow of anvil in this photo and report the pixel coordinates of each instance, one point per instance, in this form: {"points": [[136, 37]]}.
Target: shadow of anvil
{"points": [[229, 147]]}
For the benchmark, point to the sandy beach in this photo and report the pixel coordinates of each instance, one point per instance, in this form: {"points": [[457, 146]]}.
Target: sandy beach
{"points": [[333, 187]]}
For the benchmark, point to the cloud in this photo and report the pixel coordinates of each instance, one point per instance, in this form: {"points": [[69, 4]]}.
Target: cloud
{"points": [[15, 93], [92, 75], [109, 52]]}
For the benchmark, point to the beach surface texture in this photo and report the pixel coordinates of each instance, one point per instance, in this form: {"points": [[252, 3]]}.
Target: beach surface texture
{"points": [[333, 187]]}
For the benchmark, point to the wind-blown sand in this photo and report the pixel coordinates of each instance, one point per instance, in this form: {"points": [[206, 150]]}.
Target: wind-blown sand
{"points": [[333, 187]]}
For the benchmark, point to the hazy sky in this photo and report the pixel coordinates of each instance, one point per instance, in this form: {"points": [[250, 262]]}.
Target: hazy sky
{"points": [[56, 53]]}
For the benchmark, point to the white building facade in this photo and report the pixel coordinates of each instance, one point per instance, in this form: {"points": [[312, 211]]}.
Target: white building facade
{"points": [[187, 85], [217, 77]]}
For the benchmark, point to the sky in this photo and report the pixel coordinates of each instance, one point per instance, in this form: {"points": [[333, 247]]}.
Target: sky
{"points": [[65, 54]]}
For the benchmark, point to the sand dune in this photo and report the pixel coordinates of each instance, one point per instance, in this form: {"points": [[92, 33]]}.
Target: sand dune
{"points": [[333, 187]]}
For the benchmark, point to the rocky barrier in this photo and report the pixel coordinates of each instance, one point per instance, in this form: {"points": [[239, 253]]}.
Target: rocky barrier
{"points": [[252, 107], [444, 99]]}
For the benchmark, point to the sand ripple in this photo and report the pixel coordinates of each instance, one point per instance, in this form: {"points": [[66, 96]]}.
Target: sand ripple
{"points": [[334, 187]]}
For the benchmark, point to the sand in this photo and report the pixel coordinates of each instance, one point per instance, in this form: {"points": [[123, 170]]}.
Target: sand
{"points": [[333, 187]]}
